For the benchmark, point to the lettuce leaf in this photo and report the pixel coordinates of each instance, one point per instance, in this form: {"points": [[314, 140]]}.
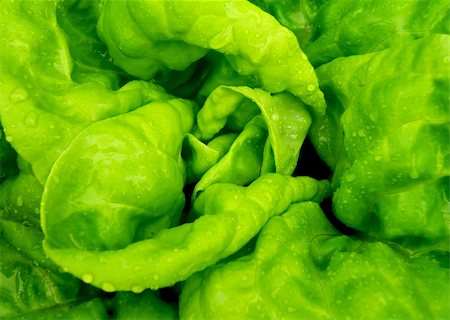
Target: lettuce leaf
{"points": [[351, 27], [270, 132], [29, 281], [297, 15], [387, 144], [252, 41], [302, 268], [229, 216], [90, 58]]}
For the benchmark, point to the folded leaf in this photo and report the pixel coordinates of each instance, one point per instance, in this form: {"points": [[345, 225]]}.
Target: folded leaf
{"points": [[84, 200], [242, 164], [287, 120], [296, 15], [387, 144], [90, 58], [20, 197], [182, 32], [352, 27], [38, 98], [302, 268], [29, 281], [223, 74], [230, 216], [199, 156]]}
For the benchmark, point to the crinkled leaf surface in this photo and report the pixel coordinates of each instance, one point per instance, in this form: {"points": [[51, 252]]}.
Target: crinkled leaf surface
{"points": [[86, 205], [38, 98], [20, 197], [182, 32], [91, 61], [298, 16], [387, 144], [286, 118], [352, 27], [242, 163], [29, 282], [230, 215], [302, 268]]}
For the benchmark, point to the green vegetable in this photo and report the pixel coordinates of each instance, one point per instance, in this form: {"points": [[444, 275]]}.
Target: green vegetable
{"points": [[387, 144], [273, 130], [297, 16], [20, 197], [181, 33], [346, 28], [302, 268], [90, 58], [29, 280], [82, 204], [163, 159], [229, 216]]}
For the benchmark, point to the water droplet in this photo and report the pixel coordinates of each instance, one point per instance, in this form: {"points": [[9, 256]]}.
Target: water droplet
{"points": [[137, 289], [9, 139], [88, 278], [19, 201], [18, 95], [378, 158], [293, 136], [275, 117], [311, 87], [108, 287], [350, 177], [414, 174], [31, 119]]}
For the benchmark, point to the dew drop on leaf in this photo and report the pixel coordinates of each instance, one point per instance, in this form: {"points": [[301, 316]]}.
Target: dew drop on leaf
{"points": [[137, 289], [31, 120], [87, 278], [108, 287], [19, 201]]}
